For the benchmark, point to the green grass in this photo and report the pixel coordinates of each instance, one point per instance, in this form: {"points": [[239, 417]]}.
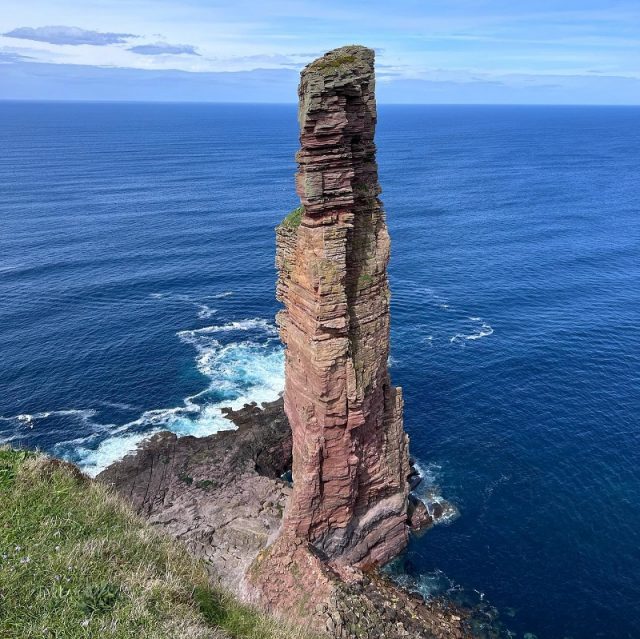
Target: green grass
{"points": [[75, 561], [293, 220]]}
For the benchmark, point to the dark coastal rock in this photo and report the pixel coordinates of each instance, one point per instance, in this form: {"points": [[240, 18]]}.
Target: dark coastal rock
{"points": [[414, 478], [378, 608], [219, 494], [438, 510], [418, 515]]}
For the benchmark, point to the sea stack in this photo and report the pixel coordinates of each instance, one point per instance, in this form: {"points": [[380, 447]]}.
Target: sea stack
{"points": [[350, 452], [348, 507]]}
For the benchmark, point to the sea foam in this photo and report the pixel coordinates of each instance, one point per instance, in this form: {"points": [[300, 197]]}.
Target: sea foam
{"points": [[430, 493], [242, 362]]}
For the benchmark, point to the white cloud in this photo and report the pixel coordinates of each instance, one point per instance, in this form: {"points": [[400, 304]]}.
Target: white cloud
{"points": [[68, 35], [164, 48]]}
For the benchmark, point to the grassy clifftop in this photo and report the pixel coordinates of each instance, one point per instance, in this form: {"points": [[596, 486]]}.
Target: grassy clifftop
{"points": [[75, 561]]}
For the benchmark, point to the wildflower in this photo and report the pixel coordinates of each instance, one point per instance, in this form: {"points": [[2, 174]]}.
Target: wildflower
{"points": [[85, 623]]}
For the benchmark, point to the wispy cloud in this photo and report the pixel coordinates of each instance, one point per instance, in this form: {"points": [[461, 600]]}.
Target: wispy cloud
{"points": [[164, 48], [267, 61], [68, 35], [8, 57]]}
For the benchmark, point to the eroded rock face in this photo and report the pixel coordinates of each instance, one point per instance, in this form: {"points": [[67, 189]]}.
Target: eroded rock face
{"points": [[350, 452], [221, 495]]}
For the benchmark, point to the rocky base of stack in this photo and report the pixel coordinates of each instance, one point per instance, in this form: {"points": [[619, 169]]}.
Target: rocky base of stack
{"points": [[292, 581], [223, 497]]}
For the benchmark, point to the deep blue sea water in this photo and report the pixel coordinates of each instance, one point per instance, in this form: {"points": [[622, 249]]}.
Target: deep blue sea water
{"points": [[137, 294]]}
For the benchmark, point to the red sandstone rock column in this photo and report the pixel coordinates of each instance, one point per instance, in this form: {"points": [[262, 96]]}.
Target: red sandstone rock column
{"points": [[350, 452]]}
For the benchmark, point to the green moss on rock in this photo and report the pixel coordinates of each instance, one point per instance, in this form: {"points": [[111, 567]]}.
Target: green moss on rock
{"points": [[293, 220], [330, 63], [364, 280]]}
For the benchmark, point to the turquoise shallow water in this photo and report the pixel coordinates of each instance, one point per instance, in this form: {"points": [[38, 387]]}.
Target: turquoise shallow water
{"points": [[136, 293]]}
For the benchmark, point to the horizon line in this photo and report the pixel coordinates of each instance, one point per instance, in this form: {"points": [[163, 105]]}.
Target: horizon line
{"points": [[269, 103]]}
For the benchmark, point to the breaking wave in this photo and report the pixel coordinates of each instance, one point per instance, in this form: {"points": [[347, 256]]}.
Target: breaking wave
{"points": [[431, 494], [29, 420], [242, 362], [242, 325], [427, 584], [484, 330], [205, 310], [468, 327]]}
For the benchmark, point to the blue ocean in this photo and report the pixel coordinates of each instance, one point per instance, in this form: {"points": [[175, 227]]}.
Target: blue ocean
{"points": [[137, 294]]}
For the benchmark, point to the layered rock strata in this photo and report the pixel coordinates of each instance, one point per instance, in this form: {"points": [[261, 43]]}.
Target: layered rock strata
{"points": [[221, 495], [350, 452]]}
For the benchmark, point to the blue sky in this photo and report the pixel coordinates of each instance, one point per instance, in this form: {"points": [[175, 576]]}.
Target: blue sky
{"points": [[429, 51]]}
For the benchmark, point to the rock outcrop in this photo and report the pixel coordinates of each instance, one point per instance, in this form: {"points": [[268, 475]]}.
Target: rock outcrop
{"points": [[350, 452], [348, 510], [221, 495]]}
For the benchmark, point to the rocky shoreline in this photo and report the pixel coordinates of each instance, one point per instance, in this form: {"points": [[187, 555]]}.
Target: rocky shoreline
{"points": [[223, 496]]}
